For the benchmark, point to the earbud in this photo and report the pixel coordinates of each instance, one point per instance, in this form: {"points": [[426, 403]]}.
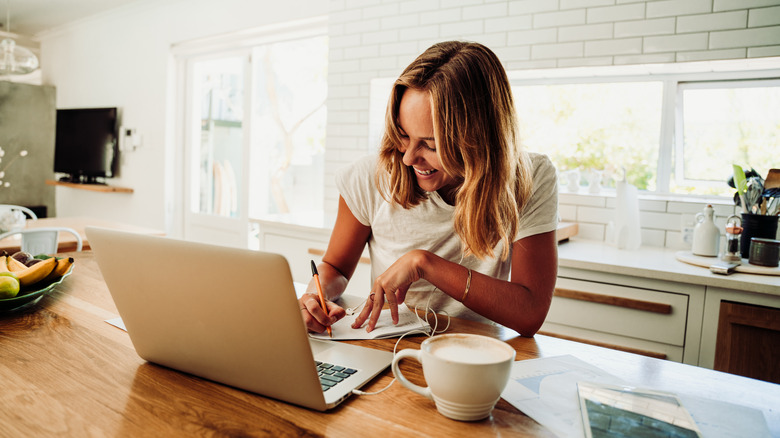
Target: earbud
{"points": [[351, 310]]}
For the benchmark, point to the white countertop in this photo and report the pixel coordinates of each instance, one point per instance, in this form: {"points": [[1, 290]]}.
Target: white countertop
{"points": [[656, 262]]}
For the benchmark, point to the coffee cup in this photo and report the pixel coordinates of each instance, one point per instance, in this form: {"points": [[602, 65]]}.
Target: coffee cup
{"points": [[465, 373]]}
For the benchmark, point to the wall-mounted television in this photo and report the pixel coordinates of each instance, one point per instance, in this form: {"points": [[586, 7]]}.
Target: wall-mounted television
{"points": [[86, 146]]}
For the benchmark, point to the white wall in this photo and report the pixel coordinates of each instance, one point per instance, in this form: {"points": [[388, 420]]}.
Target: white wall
{"points": [[122, 58], [377, 39]]}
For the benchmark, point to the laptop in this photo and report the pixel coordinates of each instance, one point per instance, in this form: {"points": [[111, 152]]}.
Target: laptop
{"points": [[228, 315]]}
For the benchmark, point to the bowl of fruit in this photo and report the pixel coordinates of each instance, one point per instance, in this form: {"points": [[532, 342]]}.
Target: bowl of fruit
{"points": [[25, 279]]}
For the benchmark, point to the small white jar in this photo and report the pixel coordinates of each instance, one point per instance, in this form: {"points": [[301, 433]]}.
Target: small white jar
{"points": [[706, 236]]}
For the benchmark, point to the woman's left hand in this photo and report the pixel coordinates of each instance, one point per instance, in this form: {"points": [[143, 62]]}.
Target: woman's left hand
{"points": [[390, 286]]}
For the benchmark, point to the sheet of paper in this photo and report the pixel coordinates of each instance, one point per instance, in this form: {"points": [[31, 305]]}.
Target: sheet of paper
{"points": [[117, 322], [721, 419], [545, 389], [408, 321], [300, 288]]}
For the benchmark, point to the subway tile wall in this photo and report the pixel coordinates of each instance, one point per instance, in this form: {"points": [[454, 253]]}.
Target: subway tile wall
{"points": [[664, 222], [372, 39]]}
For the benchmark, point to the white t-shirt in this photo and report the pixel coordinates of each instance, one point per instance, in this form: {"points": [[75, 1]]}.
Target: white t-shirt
{"points": [[429, 226]]}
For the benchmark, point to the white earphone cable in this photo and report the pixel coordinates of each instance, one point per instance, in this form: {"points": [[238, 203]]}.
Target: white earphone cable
{"points": [[434, 330]]}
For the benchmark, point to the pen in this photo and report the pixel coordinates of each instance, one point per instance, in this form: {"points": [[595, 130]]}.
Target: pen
{"points": [[319, 292]]}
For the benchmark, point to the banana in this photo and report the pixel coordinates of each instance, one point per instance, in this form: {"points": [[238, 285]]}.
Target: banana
{"points": [[4, 264], [35, 273], [15, 265], [60, 269]]}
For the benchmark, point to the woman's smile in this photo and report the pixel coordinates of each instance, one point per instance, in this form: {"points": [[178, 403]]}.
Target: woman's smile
{"points": [[424, 172], [418, 142]]}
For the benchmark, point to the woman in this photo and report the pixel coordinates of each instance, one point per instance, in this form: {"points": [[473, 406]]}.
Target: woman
{"points": [[455, 216]]}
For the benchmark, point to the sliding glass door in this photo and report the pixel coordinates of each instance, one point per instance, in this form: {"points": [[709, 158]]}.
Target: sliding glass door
{"points": [[216, 149], [253, 118]]}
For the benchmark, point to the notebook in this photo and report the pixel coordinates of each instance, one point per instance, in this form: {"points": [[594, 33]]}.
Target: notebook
{"points": [[225, 314], [409, 322]]}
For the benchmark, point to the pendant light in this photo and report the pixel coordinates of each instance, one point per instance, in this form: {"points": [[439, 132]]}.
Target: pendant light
{"points": [[15, 60]]}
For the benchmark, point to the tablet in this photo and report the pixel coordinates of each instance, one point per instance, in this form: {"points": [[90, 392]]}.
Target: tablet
{"points": [[618, 411]]}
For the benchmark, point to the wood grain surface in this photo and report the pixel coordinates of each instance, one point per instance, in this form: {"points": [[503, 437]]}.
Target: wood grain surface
{"points": [[65, 372]]}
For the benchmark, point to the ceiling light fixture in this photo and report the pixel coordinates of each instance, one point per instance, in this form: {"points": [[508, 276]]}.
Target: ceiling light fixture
{"points": [[15, 60]]}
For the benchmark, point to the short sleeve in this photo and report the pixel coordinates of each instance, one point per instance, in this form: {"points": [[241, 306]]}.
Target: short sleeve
{"points": [[355, 184], [540, 214]]}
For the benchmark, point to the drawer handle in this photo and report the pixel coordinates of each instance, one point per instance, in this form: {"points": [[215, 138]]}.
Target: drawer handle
{"points": [[320, 253], [647, 306], [647, 353]]}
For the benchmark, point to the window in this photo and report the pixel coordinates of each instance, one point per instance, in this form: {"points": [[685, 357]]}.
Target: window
{"points": [[723, 123], [673, 129], [599, 126], [288, 116]]}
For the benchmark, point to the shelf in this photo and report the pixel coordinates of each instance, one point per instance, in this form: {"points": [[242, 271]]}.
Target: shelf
{"points": [[92, 187], [566, 230]]}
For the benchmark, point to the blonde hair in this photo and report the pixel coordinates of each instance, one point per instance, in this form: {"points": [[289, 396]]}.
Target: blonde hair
{"points": [[475, 127]]}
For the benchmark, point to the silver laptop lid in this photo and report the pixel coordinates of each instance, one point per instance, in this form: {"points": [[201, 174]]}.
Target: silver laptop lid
{"points": [[225, 314]]}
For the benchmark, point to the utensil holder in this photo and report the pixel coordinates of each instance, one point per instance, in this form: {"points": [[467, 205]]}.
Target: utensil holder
{"points": [[756, 225]]}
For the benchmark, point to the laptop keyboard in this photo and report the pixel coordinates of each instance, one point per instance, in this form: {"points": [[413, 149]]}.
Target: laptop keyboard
{"points": [[331, 375]]}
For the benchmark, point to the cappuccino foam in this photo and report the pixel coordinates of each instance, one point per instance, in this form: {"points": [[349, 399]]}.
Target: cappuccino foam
{"points": [[468, 352]]}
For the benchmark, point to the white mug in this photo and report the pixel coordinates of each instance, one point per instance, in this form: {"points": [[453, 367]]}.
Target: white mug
{"points": [[465, 373]]}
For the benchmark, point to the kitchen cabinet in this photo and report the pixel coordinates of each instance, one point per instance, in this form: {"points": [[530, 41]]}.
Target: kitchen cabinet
{"points": [[741, 333], [757, 300], [652, 317]]}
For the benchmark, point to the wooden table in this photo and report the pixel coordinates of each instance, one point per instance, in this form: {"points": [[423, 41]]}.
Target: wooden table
{"points": [[67, 242], [66, 372]]}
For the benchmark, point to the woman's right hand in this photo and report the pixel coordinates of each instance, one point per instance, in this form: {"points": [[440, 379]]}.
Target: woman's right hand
{"points": [[345, 248], [314, 317]]}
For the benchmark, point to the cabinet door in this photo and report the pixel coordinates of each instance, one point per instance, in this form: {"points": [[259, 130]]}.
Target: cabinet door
{"points": [[642, 321], [712, 333], [748, 341]]}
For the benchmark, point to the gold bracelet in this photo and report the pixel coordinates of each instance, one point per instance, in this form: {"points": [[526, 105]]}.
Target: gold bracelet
{"points": [[468, 285]]}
